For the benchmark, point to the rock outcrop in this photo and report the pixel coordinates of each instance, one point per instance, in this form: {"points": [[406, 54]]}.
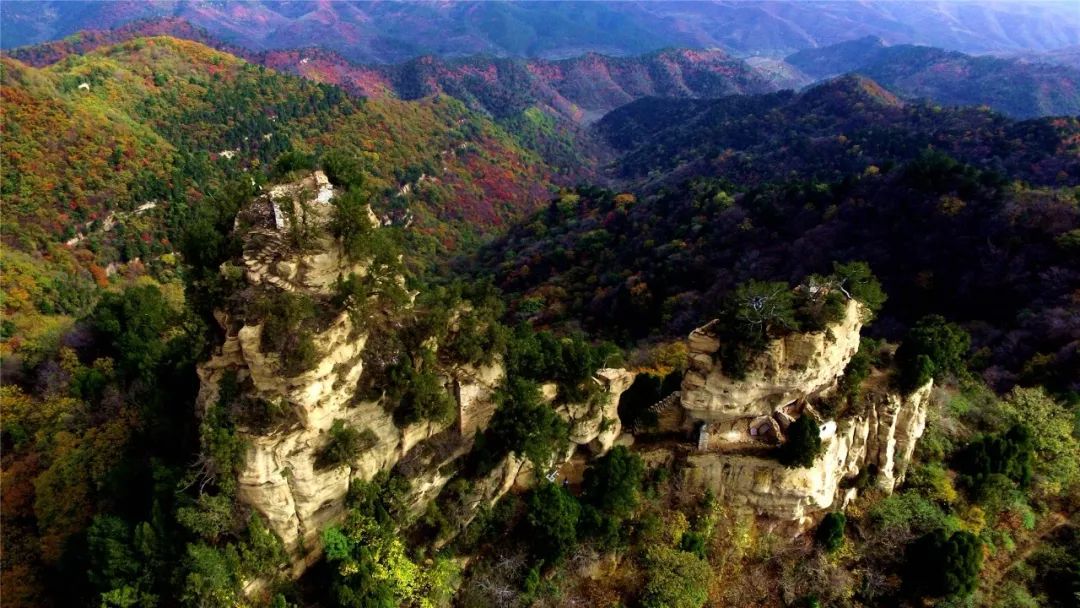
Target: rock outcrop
{"points": [[283, 476], [882, 439], [790, 368], [740, 421], [596, 423]]}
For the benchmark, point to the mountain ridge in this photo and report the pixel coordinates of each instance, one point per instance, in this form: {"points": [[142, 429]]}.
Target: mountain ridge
{"points": [[386, 32]]}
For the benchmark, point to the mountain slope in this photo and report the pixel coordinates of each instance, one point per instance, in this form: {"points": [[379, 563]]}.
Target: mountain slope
{"points": [[108, 154], [777, 187], [848, 124], [541, 103], [1019, 88]]}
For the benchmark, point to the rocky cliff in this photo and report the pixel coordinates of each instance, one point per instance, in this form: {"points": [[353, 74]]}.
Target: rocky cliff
{"points": [[738, 422], [790, 368], [879, 441], [282, 475]]}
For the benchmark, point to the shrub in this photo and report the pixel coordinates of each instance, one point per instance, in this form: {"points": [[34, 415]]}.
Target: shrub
{"points": [[830, 532], [419, 392], [802, 445], [817, 312], [293, 160], [907, 513], [288, 329], [345, 444], [858, 369]]}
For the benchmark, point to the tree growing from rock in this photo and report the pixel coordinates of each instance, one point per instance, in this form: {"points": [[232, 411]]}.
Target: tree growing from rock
{"points": [[932, 348], [803, 444]]}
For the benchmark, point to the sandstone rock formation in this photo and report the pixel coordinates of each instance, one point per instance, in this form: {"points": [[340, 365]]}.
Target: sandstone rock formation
{"points": [[596, 423], [739, 420], [791, 368], [282, 477], [882, 437]]}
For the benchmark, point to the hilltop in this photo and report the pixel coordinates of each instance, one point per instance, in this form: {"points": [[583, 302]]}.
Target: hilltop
{"points": [[828, 130], [111, 153], [1015, 87]]}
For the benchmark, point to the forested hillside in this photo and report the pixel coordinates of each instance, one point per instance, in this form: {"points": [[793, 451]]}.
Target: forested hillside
{"points": [[827, 131], [109, 154], [960, 212], [1021, 89]]}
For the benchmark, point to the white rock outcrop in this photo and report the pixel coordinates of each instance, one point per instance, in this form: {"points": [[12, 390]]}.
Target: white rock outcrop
{"points": [[596, 423], [883, 438], [791, 368]]}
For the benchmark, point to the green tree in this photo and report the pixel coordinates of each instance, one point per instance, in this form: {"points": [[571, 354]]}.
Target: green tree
{"points": [[136, 324], [212, 577], [419, 392], [372, 570], [114, 562], [830, 532], [551, 522], [1055, 444], [753, 313], [612, 483], [941, 565], [931, 349], [1010, 454], [611, 492], [857, 281], [210, 516], [761, 308], [525, 425], [675, 579], [802, 445]]}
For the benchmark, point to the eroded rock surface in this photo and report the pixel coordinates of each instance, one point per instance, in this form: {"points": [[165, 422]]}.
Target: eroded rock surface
{"points": [[881, 438], [791, 368]]}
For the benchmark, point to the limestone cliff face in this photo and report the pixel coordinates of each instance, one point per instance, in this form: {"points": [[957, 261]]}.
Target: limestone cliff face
{"points": [[596, 423], [282, 476], [882, 437], [791, 368]]}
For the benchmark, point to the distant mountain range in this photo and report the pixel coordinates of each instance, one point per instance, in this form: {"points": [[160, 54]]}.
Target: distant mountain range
{"points": [[580, 90], [1016, 87], [392, 32]]}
